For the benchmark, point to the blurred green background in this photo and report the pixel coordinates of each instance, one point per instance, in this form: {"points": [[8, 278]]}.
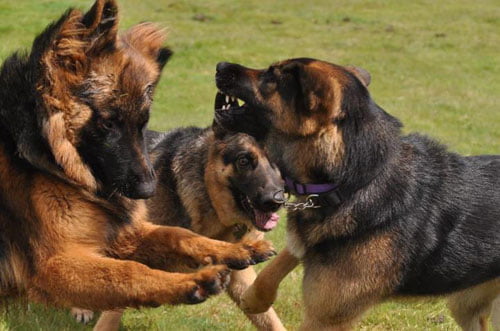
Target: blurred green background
{"points": [[434, 64]]}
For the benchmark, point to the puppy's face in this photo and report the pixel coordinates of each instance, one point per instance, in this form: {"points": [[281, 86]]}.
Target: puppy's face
{"points": [[97, 89], [298, 97], [253, 182]]}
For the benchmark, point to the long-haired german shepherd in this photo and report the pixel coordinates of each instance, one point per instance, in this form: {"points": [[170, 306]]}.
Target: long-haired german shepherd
{"points": [[218, 184], [73, 113], [395, 216]]}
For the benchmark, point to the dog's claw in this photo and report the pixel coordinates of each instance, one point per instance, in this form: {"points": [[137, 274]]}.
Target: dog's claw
{"points": [[256, 251], [196, 296], [82, 315], [211, 281]]}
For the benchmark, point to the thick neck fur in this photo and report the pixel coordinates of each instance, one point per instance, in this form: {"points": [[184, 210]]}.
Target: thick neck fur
{"points": [[359, 154], [351, 153], [19, 121], [371, 141], [20, 113]]}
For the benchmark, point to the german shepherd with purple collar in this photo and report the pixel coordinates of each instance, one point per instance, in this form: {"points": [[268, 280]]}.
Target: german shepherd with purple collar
{"points": [[403, 217]]}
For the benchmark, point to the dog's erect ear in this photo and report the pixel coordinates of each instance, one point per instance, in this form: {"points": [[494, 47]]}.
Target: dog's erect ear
{"points": [[148, 38], [76, 36], [164, 56], [362, 74], [314, 93], [101, 22]]}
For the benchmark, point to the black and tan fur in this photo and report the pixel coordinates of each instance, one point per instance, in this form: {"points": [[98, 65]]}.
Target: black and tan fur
{"points": [[415, 220], [73, 158], [201, 180]]}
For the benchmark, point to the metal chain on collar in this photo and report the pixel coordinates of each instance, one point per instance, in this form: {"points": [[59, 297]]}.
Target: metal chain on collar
{"points": [[308, 204]]}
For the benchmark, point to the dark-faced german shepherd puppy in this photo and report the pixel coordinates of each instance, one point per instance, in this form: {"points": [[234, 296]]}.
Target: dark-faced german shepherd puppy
{"points": [[73, 113], [219, 185], [402, 216]]}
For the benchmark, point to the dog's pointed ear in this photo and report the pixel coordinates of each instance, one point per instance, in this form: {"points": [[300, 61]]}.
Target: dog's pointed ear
{"points": [[101, 23], [219, 131], [164, 56], [75, 37], [148, 38], [312, 91], [363, 75]]}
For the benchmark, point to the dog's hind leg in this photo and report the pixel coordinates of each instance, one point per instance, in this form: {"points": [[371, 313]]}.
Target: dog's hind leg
{"points": [[259, 297], [471, 307], [109, 320], [240, 281], [78, 279]]}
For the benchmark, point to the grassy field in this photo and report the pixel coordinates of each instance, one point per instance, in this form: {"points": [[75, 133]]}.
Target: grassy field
{"points": [[434, 64]]}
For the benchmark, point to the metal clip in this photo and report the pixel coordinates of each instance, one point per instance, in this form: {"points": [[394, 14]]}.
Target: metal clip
{"points": [[308, 204]]}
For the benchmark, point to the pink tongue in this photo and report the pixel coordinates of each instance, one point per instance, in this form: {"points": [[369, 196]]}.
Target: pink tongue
{"points": [[266, 221]]}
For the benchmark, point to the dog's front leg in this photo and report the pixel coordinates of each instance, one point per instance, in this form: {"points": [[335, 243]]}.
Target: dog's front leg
{"points": [[259, 297], [168, 243], [239, 283], [79, 279]]}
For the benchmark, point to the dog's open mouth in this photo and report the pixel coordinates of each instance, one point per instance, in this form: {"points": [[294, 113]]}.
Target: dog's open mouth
{"points": [[263, 221], [239, 116], [227, 103]]}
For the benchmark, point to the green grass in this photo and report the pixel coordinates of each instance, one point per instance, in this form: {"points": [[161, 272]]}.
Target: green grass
{"points": [[434, 64]]}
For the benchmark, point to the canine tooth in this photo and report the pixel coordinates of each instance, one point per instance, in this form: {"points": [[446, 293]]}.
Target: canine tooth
{"points": [[223, 107], [233, 99], [227, 98]]}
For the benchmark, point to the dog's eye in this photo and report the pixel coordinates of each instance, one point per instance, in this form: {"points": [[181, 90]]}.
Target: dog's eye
{"points": [[243, 162], [108, 125]]}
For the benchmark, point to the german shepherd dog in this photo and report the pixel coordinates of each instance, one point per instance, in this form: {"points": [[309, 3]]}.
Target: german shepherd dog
{"points": [[217, 184], [396, 216], [73, 158]]}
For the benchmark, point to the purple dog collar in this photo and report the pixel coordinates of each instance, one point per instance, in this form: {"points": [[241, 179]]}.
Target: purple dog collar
{"points": [[306, 189]]}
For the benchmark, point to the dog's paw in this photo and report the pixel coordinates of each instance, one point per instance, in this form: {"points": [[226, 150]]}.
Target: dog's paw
{"points": [[254, 302], [250, 252], [82, 315], [209, 281]]}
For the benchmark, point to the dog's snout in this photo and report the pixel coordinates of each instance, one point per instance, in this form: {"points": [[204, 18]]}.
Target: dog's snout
{"points": [[271, 201], [142, 185], [144, 190]]}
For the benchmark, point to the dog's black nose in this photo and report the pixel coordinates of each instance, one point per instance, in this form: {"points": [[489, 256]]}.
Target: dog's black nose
{"points": [[270, 202], [221, 66], [141, 185], [279, 196]]}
